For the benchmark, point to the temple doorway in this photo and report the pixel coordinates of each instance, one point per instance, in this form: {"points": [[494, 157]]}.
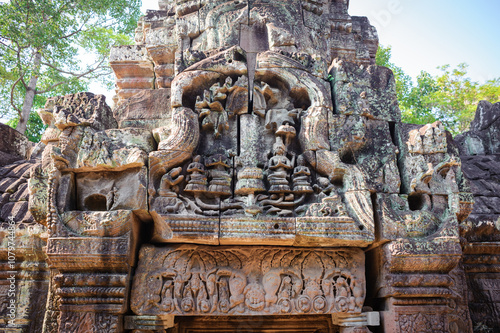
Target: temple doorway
{"points": [[255, 324]]}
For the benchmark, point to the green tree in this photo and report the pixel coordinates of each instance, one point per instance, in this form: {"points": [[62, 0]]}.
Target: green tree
{"points": [[450, 97], [456, 98], [415, 107], [403, 80], [35, 126], [42, 43]]}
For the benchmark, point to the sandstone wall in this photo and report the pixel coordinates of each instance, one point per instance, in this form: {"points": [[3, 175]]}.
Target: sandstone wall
{"points": [[480, 154], [255, 166]]}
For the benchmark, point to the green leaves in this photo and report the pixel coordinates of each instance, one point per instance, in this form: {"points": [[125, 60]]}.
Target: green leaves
{"points": [[35, 128], [403, 81], [73, 38], [450, 97]]}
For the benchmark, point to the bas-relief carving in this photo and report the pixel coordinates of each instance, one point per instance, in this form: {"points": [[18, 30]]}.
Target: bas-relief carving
{"points": [[480, 232], [425, 322], [73, 322], [218, 166], [274, 130], [92, 186], [310, 159], [187, 280]]}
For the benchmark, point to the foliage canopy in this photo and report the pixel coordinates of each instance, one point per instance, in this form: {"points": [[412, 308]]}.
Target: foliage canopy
{"points": [[42, 43], [450, 97]]}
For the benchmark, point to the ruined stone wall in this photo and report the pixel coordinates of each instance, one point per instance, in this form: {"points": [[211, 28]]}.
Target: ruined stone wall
{"points": [[479, 150], [24, 276], [13, 145], [255, 169]]}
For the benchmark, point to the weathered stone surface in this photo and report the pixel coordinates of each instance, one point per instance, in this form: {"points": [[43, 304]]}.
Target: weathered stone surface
{"points": [[368, 91], [99, 224], [148, 109], [107, 191], [256, 154], [356, 138], [14, 194], [83, 149], [480, 167], [13, 145], [430, 170], [133, 70], [484, 135], [189, 31], [38, 194], [481, 231], [22, 257], [406, 317], [247, 281], [209, 169], [91, 279], [81, 109]]}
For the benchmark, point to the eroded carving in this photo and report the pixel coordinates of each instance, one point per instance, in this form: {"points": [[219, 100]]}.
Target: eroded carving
{"points": [[216, 281]]}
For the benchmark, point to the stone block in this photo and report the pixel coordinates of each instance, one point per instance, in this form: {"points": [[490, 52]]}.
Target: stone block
{"points": [[265, 231], [21, 194], [185, 229], [100, 224], [13, 145], [18, 211], [106, 150], [147, 109], [9, 159], [109, 190], [80, 109], [247, 281], [331, 231], [368, 91]]}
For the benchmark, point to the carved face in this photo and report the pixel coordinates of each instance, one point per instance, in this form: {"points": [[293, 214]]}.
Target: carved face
{"points": [[279, 148], [187, 304], [254, 297]]}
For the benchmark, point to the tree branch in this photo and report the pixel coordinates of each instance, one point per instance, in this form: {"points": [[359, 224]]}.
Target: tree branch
{"points": [[97, 65], [6, 45], [21, 74], [39, 92], [75, 75], [76, 31], [12, 96]]}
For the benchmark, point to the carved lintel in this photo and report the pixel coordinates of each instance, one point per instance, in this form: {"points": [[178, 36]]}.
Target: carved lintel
{"points": [[331, 231], [192, 280], [186, 229], [149, 322], [371, 318]]}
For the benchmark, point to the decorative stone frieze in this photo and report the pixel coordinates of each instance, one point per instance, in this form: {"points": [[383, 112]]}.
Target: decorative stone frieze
{"points": [[254, 174], [196, 280]]}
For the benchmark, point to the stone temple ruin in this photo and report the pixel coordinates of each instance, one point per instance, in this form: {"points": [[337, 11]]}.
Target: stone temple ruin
{"points": [[254, 176]]}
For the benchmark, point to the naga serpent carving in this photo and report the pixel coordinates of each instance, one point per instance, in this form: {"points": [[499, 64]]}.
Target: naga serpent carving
{"points": [[177, 148]]}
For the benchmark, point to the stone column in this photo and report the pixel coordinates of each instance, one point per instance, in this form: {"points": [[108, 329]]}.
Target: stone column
{"points": [[91, 281]]}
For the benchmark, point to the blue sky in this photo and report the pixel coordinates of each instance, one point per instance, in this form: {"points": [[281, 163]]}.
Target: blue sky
{"points": [[425, 34]]}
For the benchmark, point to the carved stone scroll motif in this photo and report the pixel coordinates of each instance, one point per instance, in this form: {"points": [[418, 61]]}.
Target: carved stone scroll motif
{"points": [[196, 280]]}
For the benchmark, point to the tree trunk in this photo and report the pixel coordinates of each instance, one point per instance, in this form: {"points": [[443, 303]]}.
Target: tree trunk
{"points": [[30, 95]]}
